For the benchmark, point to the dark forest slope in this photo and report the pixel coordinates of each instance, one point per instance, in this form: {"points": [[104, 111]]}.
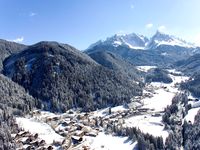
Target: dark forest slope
{"points": [[63, 77]]}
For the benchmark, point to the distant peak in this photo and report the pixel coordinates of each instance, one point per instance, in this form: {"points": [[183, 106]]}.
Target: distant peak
{"points": [[161, 38], [131, 40], [160, 32]]}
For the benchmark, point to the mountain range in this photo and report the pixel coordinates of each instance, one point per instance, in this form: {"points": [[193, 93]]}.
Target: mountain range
{"points": [[160, 50], [137, 41]]}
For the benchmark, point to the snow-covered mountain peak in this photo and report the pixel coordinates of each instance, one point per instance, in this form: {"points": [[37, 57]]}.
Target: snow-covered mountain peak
{"points": [[164, 39], [134, 41]]}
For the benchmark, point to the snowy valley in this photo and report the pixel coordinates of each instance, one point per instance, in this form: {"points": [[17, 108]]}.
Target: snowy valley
{"points": [[94, 130]]}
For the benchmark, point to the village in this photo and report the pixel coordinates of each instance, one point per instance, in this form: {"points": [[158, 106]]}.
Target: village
{"points": [[72, 126]]}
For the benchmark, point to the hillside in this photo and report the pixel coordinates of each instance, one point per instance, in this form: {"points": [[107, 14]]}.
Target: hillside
{"points": [[116, 63], [136, 57], [189, 66], [14, 100], [63, 77], [7, 48], [158, 75], [193, 85]]}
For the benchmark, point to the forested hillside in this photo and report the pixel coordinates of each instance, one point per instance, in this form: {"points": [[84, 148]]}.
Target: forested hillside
{"points": [[63, 77]]}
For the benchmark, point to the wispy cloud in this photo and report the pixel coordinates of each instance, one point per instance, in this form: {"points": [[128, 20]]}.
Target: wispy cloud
{"points": [[149, 26], [18, 40], [32, 14], [132, 6], [162, 28]]}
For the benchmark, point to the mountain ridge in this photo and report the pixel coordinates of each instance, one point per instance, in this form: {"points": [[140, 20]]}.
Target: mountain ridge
{"points": [[137, 41], [7, 48]]}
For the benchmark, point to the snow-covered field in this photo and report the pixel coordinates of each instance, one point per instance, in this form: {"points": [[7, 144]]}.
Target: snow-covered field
{"points": [[194, 110], [145, 68], [161, 97], [159, 101], [44, 131], [109, 142], [163, 94], [104, 112], [148, 124], [191, 114]]}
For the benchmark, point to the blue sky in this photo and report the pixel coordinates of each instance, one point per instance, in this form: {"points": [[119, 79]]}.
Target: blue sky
{"points": [[82, 22]]}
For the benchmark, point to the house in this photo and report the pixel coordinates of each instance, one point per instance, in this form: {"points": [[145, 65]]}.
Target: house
{"points": [[92, 133], [79, 133], [22, 134], [76, 139], [25, 140], [50, 147], [27, 147]]}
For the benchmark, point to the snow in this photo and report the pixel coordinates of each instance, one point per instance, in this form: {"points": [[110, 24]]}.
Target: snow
{"points": [[145, 68], [174, 71], [174, 42], [148, 124], [118, 108], [159, 101], [134, 47], [191, 114], [104, 112], [162, 96], [164, 54], [178, 79], [123, 42], [44, 131], [117, 42], [109, 142]]}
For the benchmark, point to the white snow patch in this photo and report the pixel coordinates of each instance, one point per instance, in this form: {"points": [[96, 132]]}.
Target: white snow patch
{"points": [[174, 71], [117, 43], [164, 54], [134, 47], [145, 68], [175, 42], [191, 114], [148, 124], [163, 94], [196, 104], [159, 101], [44, 131], [104, 112]]}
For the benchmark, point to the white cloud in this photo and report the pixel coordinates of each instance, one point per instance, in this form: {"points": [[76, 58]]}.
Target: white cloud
{"points": [[162, 28], [149, 25], [32, 14], [18, 40], [132, 6]]}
